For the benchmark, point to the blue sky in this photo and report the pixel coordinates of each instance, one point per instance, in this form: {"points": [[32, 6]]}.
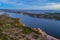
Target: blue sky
{"points": [[30, 4]]}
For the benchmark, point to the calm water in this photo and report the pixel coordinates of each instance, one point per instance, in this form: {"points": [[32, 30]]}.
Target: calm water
{"points": [[51, 27]]}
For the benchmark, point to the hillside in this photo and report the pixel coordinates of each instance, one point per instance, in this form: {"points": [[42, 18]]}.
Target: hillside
{"points": [[12, 29]]}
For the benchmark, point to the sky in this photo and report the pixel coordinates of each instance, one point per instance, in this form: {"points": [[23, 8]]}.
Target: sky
{"points": [[30, 4]]}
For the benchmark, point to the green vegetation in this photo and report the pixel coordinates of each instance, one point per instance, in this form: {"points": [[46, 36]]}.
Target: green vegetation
{"points": [[7, 22], [27, 30], [35, 36], [4, 37], [13, 29]]}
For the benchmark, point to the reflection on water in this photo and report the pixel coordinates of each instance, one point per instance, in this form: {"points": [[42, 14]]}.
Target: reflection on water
{"points": [[52, 27]]}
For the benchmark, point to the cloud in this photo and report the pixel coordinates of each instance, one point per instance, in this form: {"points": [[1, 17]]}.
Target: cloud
{"points": [[11, 2], [52, 6], [24, 2], [15, 3], [3, 0], [49, 6], [33, 4]]}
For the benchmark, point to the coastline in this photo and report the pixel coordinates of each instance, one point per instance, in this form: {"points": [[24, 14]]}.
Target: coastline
{"points": [[50, 37], [16, 23], [43, 33]]}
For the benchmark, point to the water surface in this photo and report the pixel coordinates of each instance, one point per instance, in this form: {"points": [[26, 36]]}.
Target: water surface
{"points": [[51, 27]]}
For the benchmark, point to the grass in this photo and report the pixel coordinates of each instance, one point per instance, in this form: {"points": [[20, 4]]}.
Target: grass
{"points": [[6, 23], [14, 23]]}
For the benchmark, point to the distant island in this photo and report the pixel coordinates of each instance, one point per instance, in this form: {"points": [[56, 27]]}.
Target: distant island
{"points": [[55, 16]]}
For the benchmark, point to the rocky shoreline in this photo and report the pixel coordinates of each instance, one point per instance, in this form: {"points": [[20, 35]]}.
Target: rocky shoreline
{"points": [[12, 29], [43, 34]]}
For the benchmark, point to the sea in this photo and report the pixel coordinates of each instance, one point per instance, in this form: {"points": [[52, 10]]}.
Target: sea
{"points": [[50, 26]]}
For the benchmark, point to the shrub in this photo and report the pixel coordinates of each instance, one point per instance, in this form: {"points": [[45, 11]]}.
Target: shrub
{"points": [[27, 30]]}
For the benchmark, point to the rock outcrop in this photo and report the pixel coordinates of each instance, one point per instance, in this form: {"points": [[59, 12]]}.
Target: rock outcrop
{"points": [[44, 34]]}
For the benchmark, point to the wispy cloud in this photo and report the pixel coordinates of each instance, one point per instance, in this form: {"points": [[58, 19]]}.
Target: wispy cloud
{"points": [[49, 6], [3, 0], [11, 2], [33, 4]]}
